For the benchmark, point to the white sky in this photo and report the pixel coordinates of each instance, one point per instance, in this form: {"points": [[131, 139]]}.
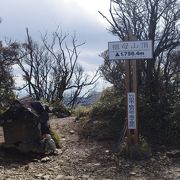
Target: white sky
{"points": [[40, 16]]}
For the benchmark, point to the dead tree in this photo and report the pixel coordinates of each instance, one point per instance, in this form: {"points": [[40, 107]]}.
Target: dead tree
{"points": [[52, 68], [36, 67], [156, 20]]}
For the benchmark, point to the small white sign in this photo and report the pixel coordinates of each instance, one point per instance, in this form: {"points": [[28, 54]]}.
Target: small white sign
{"points": [[120, 50], [131, 110]]}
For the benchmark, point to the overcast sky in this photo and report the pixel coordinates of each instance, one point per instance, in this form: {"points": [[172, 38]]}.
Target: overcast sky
{"points": [[40, 16]]}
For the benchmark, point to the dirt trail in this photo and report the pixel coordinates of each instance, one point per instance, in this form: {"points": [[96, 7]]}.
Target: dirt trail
{"points": [[85, 159]]}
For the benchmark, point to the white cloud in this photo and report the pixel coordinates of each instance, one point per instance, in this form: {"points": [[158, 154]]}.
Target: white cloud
{"points": [[40, 16]]}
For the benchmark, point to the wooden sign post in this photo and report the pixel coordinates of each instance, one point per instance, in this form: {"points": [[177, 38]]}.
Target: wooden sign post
{"points": [[131, 96], [129, 51]]}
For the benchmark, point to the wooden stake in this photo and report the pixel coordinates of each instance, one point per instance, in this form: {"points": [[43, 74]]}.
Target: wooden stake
{"points": [[128, 86], [135, 80], [131, 86]]}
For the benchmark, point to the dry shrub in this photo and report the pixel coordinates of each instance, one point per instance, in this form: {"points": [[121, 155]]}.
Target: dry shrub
{"points": [[55, 137], [141, 150]]}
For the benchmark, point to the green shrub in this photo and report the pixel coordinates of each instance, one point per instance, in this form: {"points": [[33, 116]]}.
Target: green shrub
{"points": [[158, 123], [178, 107], [106, 117], [55, 137], [2, 110], [59, 107], [174, 130], [6, 100], [81, 111], [139, 151], [110, 104]]}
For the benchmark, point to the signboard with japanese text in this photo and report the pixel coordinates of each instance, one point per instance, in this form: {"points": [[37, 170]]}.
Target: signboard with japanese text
{"points": [[130, 50], [131, 110]]}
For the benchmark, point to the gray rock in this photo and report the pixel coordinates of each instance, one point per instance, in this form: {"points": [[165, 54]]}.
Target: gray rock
{"points": [[62, 136], [177, 174], [38, 175], [85, 176], [153, 160], [45, 159], [97, 164], [49, 144], [132, 173], [59, 177], [26, 167], [45, 177], [173, 154], [58, 151], [69, 177], [177, 170], [35, 160], [61, 162], [71, 131], [51, 169]]}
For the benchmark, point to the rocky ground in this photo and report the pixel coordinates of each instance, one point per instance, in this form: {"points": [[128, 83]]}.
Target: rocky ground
{"points": [[85, 159]]}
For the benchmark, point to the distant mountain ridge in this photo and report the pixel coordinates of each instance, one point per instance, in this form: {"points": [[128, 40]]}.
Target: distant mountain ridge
{"points": [[93, 97], [90, 99]]}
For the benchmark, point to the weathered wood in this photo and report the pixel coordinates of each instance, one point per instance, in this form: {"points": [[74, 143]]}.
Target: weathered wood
{"points": [[128, 88], [134, 89], [131, 86]]}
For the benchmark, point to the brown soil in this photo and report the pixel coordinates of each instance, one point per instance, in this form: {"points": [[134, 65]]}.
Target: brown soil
{"points": [[85, 159]]}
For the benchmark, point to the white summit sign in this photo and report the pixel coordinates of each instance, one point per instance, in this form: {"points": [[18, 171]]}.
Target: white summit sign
{"points": [[119, 50]]}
